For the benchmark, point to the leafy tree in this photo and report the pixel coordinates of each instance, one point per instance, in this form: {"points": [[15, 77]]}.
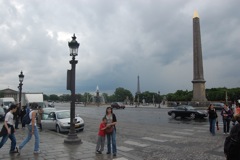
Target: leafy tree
{"points": [[45, 97], [78, 98], [1, 95], [53, 97], [65, 97], [121, 94]]}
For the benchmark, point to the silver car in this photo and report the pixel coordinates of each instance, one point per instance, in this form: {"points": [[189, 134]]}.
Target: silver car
{"points": [[60, 121]]}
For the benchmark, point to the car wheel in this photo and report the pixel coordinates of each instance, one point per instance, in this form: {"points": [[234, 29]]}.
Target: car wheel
{"points": [[173, 115], [192, 116], [58, 129]]}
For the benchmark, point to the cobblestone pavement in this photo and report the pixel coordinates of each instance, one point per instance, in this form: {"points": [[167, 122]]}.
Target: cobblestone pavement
{"points": [[53, 148]]}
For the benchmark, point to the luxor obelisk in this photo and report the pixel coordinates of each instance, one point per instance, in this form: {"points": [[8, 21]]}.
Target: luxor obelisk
{"points": [[198, 81]]}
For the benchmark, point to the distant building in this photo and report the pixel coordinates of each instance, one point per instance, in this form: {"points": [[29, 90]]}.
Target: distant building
{"points": [[10, 93]]}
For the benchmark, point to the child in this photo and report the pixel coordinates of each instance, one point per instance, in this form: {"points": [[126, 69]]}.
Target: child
{"points": [[101, 136]]}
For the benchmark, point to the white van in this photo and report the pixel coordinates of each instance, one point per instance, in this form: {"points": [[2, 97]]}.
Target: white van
{"points": [[6, 102], [34, 99]]}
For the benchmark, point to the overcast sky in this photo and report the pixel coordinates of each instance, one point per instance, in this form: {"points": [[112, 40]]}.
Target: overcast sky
{"points": [[119, 40]]}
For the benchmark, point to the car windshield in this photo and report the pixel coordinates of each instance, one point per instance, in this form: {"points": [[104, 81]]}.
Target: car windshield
{"points": [[1, 110], [6, 103], [190, 108], [46, 111], [64, 114]]}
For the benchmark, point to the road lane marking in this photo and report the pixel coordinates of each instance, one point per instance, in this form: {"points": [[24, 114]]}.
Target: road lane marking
{"points": [[203, 128], [124, 149], [202, 131], [184, 133], [170, 136], [120, 158], [190, 130], [153, 139], [136, 143]]}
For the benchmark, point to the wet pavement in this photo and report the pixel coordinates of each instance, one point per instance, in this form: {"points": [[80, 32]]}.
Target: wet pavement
{"points": [[52, 147]]}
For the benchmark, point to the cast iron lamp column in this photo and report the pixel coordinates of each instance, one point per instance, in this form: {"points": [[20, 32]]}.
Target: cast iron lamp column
{"points": [[72, 137], [21, 77]]}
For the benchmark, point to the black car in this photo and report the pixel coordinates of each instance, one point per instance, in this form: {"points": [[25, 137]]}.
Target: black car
{"points": [[187, 111], [118, 105], [218, 105], [2, 113]]}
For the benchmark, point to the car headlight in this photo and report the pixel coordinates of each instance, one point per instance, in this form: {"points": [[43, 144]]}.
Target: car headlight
{"points": [[199, 112], [63, 123]]}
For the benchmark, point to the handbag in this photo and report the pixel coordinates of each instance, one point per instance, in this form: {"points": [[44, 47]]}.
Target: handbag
{"points": [[109, 130], [3, 131]]}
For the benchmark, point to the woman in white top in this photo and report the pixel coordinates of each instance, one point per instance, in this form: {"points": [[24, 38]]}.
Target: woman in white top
{"points": [[8, 130], [32, 130]]}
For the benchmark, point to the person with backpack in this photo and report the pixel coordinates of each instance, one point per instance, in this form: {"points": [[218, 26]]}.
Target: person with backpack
{"points": [[226, 116], [232, 142], [8, 130], [32, 130]]}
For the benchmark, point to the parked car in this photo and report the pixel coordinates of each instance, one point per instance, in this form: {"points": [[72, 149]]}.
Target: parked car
{"points": [[118, 105], [60, 121], [187, 111], [2, 113], [46, 111], [218, 105]]}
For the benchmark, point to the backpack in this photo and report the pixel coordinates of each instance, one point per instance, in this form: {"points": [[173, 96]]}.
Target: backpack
{"points": [[26, 118], [232, 144]]}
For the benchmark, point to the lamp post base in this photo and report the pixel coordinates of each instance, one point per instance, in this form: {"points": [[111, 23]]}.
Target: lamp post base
{"points": [[72, 139]]}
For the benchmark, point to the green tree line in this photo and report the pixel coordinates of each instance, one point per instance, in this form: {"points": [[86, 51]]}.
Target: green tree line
{"points": [[123, 95]]}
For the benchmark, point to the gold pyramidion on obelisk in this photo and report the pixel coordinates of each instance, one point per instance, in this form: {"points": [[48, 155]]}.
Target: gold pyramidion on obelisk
{"points": [[195, 14]]}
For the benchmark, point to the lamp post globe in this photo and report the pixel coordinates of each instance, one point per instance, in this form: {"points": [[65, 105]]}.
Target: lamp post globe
{"points": [[21, 77], [73, 46], [72, 137]]}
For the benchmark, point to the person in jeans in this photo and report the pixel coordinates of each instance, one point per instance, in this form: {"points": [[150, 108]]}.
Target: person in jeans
{"points": [[8, 130], [111, 138], [212, 115], [101, 136], [226, 116], [32, 130]]}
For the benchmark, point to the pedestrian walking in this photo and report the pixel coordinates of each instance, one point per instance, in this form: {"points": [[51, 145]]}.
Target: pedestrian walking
{"points": [[232, 142], [8, 130], [22, 113], [101, 136], [226, 114], [212, 116], [32, 130], [111, 131], [39, 117]]}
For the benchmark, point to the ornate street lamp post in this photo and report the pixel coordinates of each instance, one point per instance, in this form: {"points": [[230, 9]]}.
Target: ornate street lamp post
{"points": [[72, 137], [21, 77]]}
